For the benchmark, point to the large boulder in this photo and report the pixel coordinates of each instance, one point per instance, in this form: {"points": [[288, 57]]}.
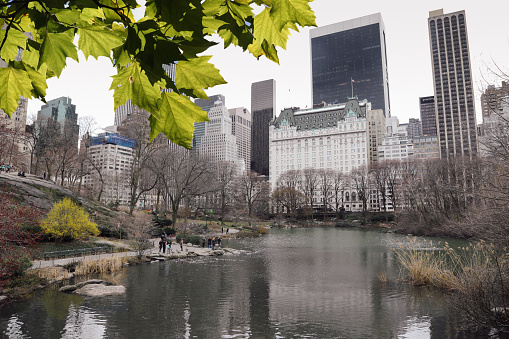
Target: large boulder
{"points": [[100, 290]]}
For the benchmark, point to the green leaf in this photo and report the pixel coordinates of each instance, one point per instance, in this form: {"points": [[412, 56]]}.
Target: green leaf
{"points": [[38, 82], [14, 40], [55, 49], [266, 49], [31, 53], [91, 15], [98, 41], [296, 11], [175, 118], [67, 16], [197, 74], [14, 83], [265, 28], [132, 83]]}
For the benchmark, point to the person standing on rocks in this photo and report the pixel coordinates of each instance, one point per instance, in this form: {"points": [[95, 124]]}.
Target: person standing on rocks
{"points": [[168, 246], [181, 244], [213, 243], [218, 242], [160, 245], [163, 245], [203, 242], [210, 242]]}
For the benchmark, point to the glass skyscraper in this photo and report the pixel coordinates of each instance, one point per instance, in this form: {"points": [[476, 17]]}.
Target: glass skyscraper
{"points": [[348, 58]]}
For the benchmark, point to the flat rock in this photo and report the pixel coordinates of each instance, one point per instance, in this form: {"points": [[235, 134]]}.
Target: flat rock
{"points": [[100, 290], [91, 281], [68, 288]]}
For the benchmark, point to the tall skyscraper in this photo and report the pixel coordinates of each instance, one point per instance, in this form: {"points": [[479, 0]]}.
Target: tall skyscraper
{"points": [[263, 108], [218, 141], [454, 98], [241, 129], [349, 59], [428, 117], [199, 127], [61, 111]]}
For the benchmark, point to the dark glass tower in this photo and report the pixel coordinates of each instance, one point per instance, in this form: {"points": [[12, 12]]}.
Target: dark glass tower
{"points": [[454, 98], [346, 51], [428, 118], [263, 108]]}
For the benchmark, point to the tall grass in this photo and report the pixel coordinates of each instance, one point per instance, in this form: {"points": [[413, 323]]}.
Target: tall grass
{"points": [[105, 265], [462, 269]]}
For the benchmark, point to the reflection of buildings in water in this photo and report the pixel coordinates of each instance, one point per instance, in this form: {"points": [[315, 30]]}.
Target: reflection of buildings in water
{"points": [[82, 323], [416, 327], [14, 328]]}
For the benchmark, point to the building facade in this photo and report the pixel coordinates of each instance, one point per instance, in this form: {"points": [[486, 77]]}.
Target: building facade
{"points": [[349, 58], [396, 146], [331, 137], [263, 108], [199, 127], [376, 131], [494, 98], [426, 147], [110, 159], [241, 129], [218, 141], [414, 128], [452, 75], [63, 112], [428, 116]]}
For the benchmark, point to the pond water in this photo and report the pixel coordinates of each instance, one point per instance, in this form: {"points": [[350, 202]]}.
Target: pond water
{"points": [[299, 283]]}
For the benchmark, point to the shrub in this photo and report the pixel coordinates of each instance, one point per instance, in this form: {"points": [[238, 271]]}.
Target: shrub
{"points": [[113, 232], [169, 230], [262, 230], [17, 241], [162, 221], [68, 220]]}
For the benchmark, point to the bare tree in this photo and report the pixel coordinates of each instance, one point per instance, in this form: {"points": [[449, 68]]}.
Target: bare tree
{"points": [[339, 180], [326, 185], [225, 176], [251, 189], [310, 185], [360, 181], [182, 174]]}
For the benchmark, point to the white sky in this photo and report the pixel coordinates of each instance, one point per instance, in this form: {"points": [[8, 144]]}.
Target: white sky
{"points": [[408, 58]]}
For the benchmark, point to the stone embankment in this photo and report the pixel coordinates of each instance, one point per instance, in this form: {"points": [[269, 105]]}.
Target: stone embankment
{"points": [[94, 288]]}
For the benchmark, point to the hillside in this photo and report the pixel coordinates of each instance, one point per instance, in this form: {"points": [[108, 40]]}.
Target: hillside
{"points": [[43, 193]]}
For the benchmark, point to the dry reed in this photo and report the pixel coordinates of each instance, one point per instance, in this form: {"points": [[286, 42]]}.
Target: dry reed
{"points": [[463, 269], [51, 273], [105, 265]]}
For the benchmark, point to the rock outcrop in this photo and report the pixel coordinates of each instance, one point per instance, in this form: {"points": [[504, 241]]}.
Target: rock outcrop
{"points": [[94, 288]]}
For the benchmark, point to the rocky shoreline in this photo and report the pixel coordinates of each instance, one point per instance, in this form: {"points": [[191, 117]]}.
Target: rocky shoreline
{"points": [[96, 287]]}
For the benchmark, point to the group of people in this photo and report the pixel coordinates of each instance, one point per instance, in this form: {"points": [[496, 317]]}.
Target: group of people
{"points": [[211, 242], [165, 244], [5, 168]]}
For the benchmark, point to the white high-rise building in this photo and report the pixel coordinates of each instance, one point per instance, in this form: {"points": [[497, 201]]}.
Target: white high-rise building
{"points": [[241, 129], [111, 157], [396, 146], [218, 141]]}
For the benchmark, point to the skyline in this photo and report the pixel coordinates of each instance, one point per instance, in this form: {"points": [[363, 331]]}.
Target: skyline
{"points": [[87, 83]]}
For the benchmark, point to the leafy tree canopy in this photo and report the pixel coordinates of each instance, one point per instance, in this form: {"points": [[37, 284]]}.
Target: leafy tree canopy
{"points": [[171, 32]]}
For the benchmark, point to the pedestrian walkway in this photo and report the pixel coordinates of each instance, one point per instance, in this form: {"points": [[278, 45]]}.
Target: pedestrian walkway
{"points": [[153, 252]]}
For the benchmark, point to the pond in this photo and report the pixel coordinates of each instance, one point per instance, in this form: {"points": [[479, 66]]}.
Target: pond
{"points": [[298, 283]]}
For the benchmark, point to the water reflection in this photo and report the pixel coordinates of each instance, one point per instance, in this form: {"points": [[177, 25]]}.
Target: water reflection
{"points": [[308, 283]]}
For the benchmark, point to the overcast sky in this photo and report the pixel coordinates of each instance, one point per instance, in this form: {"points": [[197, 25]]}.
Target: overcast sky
{"points": [[408, 58]]}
